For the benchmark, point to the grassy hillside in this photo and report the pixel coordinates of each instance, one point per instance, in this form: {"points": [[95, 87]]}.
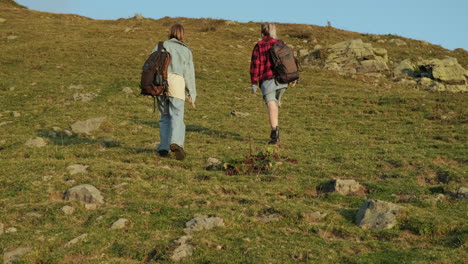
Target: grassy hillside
{"points": [[405, 145]]}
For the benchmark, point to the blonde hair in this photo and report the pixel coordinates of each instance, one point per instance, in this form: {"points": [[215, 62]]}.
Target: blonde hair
{"points": [[177, 31], [269, 29]]}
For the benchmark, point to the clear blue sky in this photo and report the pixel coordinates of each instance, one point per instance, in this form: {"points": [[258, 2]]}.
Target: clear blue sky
{"points": [[439, 22]]}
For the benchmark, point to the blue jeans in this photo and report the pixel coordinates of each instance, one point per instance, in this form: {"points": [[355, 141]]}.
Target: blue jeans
{"points": [[171, 122]]}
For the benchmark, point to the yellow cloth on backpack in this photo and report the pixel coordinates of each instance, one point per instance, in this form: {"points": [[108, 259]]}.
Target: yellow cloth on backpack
{"points": [[176, 86]]}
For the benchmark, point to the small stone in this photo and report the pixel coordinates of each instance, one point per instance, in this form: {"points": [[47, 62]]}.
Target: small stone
{"points": [[11, 230], [12, 256], [239, 114], [202, 222], [462, 193], [5, 123], [85, 193], [34, 214], [2, 20], [16, 114], [181, 252], [267, 218], [397, 42], [77, 168], [68, 132], [313, 217], [12, 37], [68, 210], [76, 240], [120, 224], [344, 187], [127, 90], [12, 88], [213, 164], [37, 142], [91, 207]]}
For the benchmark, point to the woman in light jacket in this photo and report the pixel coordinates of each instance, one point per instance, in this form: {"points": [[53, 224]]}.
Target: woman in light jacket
{"points": [[181, 79]]}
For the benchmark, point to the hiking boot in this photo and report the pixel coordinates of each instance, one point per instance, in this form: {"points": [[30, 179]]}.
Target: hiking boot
{"points": [[163, 153], [274, 136], [178, 151]]}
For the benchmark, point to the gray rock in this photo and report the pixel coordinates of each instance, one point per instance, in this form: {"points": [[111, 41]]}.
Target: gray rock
{"points": [[4, 123], [181, 252], [313, 217], [375, 214], [354, 56], [406, 67], [37, 142], [120, 223], [68, 210], [87, 126], [76, 240], [397, 42], [462, 193], [407, 82], [77, 168], [202, 222], [127, 90], [239, 114], [447, 71], [34, 214], [344, 187], [85, 193], [267, 218], [372, 66], [84, 97], [11, 37], [11, 230], [16, 254]]}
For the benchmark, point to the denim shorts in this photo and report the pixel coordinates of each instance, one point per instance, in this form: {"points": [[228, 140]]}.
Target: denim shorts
{"points": [[274, 96]]}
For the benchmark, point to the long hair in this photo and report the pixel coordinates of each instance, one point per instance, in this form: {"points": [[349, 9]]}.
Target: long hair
{"points": [[269, 29], [177, 31]]}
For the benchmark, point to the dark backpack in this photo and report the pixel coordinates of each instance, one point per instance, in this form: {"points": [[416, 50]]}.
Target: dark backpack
{"points": [[154, 74], [285, 65]]}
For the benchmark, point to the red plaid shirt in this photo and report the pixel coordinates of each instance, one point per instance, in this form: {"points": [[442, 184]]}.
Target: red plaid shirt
{"points": [[260, 66]]}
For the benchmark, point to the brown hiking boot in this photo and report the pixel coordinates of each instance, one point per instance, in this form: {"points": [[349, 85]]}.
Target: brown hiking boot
{"points": [[274, 136], [178, 151]]}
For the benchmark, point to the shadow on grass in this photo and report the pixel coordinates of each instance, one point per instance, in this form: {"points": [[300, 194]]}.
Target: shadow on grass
{"points": [[214, 133], [349, 214], [62, 139], [196, 129]]}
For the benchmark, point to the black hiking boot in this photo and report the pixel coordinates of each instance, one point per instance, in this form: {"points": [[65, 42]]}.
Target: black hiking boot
{"points": [[178, 151], [274, 136], [163, 153]]}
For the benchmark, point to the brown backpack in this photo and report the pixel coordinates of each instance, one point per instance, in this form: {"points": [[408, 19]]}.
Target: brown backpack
{"points": [[285, 65], [154, 73]]}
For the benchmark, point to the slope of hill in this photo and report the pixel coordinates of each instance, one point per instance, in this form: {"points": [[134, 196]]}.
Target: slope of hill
{"points": [[405, 145]]}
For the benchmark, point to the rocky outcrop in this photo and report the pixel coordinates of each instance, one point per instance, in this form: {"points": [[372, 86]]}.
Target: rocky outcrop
{"points": [[435, 74], [355, 56]]}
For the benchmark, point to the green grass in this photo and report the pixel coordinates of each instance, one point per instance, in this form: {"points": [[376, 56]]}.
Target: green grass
{"points": [[393, 139]]}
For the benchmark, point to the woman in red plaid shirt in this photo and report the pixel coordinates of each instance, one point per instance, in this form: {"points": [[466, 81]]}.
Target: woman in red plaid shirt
{"points": [[261, 74]]}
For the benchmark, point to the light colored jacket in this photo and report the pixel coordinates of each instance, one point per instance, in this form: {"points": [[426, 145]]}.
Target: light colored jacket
{"points": [[181, 64]]}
